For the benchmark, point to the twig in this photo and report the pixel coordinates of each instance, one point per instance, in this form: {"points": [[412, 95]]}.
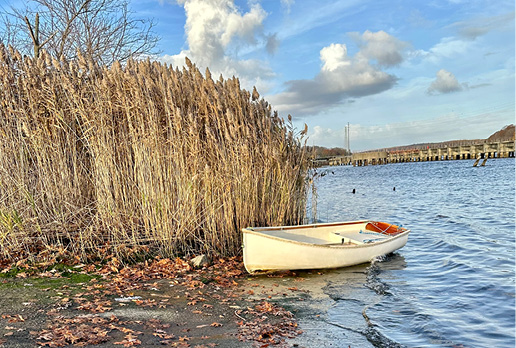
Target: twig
{"points": [[239, 316]]}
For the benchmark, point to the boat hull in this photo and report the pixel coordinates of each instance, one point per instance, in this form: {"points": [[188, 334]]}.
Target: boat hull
{"points": [[263, 252]]}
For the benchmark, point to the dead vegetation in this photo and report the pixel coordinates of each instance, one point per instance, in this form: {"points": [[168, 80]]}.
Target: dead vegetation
{"points": [[141, 157], [214, 308]]}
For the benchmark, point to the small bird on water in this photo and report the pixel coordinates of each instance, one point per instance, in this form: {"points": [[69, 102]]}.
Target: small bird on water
{"points": [[353, 191], [394, 188]]}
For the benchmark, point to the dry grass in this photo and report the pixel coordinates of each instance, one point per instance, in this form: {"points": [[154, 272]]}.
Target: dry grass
{"points": [[96, 160]]}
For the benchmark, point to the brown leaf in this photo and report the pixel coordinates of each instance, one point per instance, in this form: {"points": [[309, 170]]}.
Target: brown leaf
{"points": [[13, 318], [130, 340]]}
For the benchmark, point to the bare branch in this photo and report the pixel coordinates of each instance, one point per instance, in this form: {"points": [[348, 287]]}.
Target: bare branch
{"points": [[102, 30], [30, 30], [34, 34]]}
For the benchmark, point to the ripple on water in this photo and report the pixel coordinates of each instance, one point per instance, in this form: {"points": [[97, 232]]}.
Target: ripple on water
{"points": [[453, 283]]}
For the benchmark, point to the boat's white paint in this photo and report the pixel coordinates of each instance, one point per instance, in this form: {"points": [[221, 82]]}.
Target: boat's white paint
{"points": [[316, 246]]}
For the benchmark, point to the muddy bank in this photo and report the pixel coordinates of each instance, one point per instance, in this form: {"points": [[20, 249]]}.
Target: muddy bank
{"points": [[314, 297], [154, 304], [168, 303], [37, 313]]}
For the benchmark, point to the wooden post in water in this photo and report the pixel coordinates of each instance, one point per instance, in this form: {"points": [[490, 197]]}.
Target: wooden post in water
{"points": [[484, 163], [476, 162]]}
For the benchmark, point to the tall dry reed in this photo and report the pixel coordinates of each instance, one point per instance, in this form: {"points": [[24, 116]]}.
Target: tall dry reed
{"points": [[98, 160]]}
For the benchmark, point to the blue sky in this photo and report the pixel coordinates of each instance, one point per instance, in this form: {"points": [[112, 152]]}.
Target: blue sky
{"points": [[399, 71]]}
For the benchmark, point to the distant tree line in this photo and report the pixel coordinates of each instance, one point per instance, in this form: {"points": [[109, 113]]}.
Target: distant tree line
{"points": [[322, 152]]}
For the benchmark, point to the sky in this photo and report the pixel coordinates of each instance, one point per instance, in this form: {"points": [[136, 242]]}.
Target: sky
{"points": [[399, 71]]}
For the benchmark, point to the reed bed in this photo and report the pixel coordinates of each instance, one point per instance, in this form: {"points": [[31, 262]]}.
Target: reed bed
{"points": [[99, 160]]}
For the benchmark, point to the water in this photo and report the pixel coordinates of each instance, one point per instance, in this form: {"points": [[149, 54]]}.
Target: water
{"points": [[453, 284]]}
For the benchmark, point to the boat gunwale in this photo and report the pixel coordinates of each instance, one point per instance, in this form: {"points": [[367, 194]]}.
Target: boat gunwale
{"points": [[327, 246], [297, 227]]}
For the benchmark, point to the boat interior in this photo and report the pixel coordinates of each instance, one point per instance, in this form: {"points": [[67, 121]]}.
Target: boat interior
{"points": [[343, 234]]}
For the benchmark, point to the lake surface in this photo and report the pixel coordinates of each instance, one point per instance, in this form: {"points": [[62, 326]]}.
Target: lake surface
{"points": [[453, 284]]}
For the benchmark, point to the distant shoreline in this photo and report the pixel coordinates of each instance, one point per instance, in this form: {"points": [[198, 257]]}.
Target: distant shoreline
{"points": [[507, 133]]}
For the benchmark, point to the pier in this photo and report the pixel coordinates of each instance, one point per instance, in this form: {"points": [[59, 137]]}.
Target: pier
{"points": [[503, 149]]}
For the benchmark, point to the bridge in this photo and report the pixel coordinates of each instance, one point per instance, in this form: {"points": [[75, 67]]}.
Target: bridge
{"points": [[502, 149]]}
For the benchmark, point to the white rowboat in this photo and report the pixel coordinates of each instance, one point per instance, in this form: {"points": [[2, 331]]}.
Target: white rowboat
{"points": [[317, 246]]}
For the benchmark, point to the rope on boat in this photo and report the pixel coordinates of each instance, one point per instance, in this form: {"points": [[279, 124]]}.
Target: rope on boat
{"points": [[385, 228]]}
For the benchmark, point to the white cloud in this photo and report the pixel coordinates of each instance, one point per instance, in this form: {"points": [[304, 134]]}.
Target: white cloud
{"points": [[287, 4], [216, 30], [343, 76], [384, 48], [334, 56], [447, 48], [465, 43], [311, 16], [471, 29], [445, 82]]}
